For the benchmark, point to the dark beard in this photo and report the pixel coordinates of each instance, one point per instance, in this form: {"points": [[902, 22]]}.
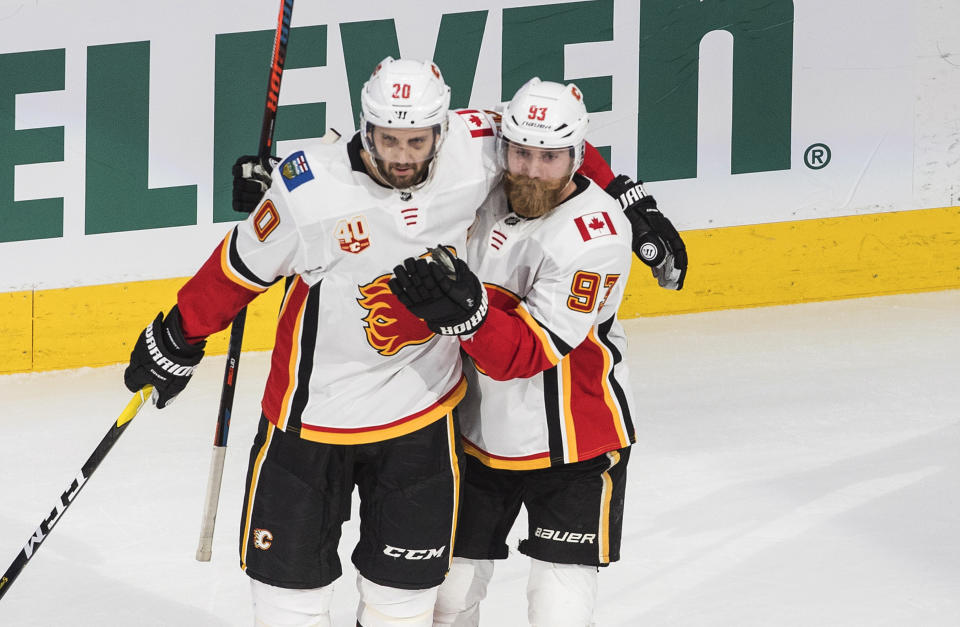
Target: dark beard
{"points": [[419, 175], [532, 198]]}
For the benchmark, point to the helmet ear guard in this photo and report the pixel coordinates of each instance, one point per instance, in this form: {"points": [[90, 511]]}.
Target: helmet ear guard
{"points": [[546, 115]]}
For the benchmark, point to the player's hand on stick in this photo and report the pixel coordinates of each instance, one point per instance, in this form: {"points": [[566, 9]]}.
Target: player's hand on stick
{"points": [[163, 358], [251, 180], [655, 240], [443, 292]]}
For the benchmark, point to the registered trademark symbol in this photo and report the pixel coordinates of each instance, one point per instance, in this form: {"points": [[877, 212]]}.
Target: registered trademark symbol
{"points": [[817, 156]]}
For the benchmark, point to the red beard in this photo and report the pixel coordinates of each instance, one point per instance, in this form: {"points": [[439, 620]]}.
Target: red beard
{"points": [[532, 198]]}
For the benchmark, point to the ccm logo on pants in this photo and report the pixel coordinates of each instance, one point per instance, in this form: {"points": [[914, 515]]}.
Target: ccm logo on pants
{"points": [[565, 536], [414, 554]]}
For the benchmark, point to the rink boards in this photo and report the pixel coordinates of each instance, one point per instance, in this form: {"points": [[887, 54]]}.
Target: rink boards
{"points": [[743, 266]]}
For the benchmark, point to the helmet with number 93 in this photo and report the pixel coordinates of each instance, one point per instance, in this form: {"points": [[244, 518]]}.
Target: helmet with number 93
{"points": [[403, 119], [546, 116]]}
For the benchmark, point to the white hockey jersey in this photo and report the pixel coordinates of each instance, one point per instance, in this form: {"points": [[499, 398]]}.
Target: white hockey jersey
{"points": [[350, 364], [549, 385]]}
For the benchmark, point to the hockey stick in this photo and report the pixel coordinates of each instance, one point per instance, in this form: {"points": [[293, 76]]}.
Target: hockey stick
{"points": [[70, 494], [209, 517], [215, 478]]}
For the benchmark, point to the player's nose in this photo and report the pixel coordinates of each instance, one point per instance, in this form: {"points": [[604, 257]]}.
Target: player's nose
{"points": [[534, 169], [406, 154]]}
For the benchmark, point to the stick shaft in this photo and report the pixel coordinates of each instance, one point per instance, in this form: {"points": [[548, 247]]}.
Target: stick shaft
{"points": [[214, 480], [209, 517], [70, 494], [280, 40]]}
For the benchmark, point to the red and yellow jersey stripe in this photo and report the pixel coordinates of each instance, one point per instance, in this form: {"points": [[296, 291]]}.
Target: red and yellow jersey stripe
{"points": [[395, 429], [527, 462], [212, 298]]}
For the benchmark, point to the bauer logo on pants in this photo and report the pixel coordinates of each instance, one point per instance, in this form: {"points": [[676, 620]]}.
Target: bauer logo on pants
{"points": [[262, 539], [565, 536]]}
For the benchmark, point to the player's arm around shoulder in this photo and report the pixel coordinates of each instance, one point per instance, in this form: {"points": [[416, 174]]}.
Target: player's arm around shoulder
{"points": [[473, 133]]}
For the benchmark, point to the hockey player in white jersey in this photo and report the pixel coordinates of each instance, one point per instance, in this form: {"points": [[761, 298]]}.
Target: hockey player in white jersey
{"points": [[360, 391], [547, 421]]}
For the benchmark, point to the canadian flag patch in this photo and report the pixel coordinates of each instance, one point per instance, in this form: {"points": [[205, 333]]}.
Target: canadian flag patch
{"points": [[596, 224], [477, 122]]}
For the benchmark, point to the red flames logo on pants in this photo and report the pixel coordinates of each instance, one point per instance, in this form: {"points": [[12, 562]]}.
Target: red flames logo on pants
{"points": [[390, 326]]}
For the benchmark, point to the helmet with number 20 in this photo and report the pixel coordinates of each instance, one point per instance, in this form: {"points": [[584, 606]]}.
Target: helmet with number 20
{"points": [[545, 115], [404, 94]]}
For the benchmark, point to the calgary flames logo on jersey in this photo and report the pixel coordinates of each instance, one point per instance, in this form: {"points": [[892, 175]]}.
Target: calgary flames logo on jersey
{"points": [[390, 326]]}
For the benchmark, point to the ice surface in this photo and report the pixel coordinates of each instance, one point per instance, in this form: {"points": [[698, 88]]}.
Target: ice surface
{"points": [[797, 466]]}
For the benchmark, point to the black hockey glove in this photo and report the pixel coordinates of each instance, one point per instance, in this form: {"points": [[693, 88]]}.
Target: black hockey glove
{"points": [[251, 180], [163, 358], [655, 240], [444, 292]]}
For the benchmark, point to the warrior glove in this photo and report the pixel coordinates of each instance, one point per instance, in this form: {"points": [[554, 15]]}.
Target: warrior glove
{"points": [[251, 180], [443, 292], [655, 240], [163, 358]]}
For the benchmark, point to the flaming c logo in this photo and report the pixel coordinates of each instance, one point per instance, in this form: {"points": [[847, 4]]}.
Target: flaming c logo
{"points": [[390, 326]]}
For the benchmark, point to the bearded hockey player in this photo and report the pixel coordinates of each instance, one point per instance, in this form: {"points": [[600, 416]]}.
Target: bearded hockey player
{"points": [[547, 421], [360, 391]]}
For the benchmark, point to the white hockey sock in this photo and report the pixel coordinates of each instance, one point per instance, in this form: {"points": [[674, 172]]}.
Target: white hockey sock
{"points": [[561, 595], [382, 606], [287, 607], [458, 601]]}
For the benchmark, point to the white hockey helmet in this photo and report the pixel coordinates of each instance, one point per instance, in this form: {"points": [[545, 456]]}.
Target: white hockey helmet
{"points": [[404, 94], [546, 115]]}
